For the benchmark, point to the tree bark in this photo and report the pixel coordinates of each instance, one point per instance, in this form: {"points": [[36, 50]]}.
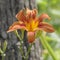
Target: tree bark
{"points": [[8, 10]]}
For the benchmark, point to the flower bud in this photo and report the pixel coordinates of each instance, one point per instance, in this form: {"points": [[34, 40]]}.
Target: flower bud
{"points": [[31, 37]]}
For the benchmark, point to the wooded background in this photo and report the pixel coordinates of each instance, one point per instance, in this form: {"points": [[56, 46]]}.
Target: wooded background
{"points": [[8, 10]]}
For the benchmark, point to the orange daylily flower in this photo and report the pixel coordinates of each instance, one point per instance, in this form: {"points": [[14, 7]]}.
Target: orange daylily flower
{"points": [[28, 21]]}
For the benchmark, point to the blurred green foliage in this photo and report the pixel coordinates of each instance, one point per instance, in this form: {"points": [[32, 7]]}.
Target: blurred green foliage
{"points": [[52, 8]]}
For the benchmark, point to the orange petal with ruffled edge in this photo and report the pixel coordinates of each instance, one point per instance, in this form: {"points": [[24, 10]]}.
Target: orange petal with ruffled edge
{"points": [[34, 13], [16, 25], [42, 17], [46, 27], [31, 13], [21, 16], [31, 37]]}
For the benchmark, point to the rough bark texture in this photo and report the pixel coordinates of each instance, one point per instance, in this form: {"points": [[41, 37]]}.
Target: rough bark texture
{"points": [[8, 10]]}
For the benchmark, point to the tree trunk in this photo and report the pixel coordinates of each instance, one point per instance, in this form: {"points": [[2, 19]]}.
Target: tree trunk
{"points": [[8, 10]]}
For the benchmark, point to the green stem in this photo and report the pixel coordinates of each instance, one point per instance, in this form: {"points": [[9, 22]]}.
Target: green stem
{"points": [[21, 50], [21, 41], [18, 35], [29, 49], [22, 33], [3, 57], [48, 47]]}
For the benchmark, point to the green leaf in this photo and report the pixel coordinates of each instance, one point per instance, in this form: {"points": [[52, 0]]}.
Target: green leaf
{"points": [[1, 52], [4, 46]]}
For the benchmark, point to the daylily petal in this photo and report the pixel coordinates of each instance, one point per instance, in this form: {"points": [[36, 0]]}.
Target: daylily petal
{"points": [[34, 13], [31, 36], [31, 13], [46, 27], [16, 25], [21, 16], [42, 17]]}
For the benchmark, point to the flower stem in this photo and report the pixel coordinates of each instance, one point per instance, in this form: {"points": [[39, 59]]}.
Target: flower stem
{"points": [[3, 57], [21, 41], [29, 49], [18, 35], [47, 46], [22, 33]]}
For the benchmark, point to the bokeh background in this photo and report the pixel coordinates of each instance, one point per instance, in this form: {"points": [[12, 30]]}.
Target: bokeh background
{"points": [[52, 8]]}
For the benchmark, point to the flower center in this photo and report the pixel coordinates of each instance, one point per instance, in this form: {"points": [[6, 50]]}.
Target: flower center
{"points": [[32, 25]]}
